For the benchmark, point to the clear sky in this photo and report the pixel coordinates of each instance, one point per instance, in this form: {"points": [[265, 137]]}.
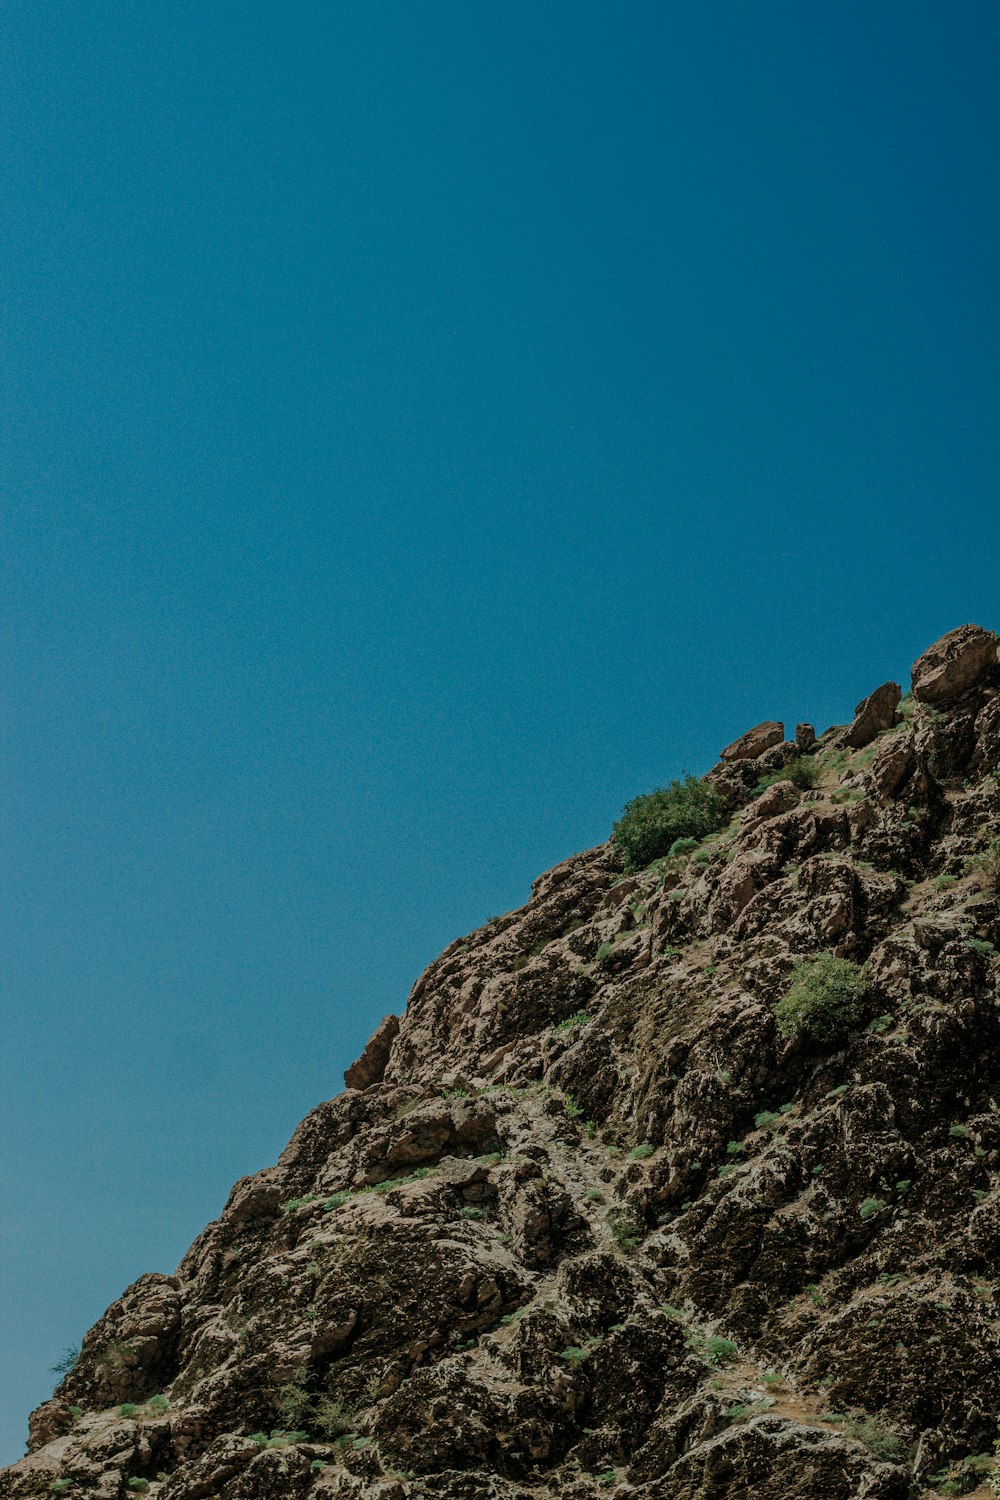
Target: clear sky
{"points": [[425, 426]]}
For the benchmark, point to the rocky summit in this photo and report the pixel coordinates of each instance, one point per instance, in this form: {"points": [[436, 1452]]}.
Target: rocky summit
{"points": [[682, 1181]]}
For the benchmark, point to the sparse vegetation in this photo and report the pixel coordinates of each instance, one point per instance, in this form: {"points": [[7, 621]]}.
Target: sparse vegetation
{"points": [[650, 825], [69, 1357], [824, 1001], [882, 1441], [713, 1348], [578, 1018]]}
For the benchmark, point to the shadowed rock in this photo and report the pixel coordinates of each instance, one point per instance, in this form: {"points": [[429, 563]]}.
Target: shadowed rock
{"points": [[371, 1065]]}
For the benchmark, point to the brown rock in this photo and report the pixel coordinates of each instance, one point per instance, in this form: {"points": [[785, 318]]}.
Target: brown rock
{"points": [[892, 765], [872, 715], [960, 660], [755, 741], [805, 737], [371, 1065]]}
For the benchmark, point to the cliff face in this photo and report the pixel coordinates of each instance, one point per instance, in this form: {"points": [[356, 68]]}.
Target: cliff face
{"points": [[590, 1222]]}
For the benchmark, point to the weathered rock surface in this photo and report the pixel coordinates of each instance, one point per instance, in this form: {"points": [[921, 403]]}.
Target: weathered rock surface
{"points": [[872, 716], [584, 1223], [752, 744], [960, 660]]}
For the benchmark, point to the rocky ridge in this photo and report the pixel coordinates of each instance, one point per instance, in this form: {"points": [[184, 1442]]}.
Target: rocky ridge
{"points": [[586, 1223]]}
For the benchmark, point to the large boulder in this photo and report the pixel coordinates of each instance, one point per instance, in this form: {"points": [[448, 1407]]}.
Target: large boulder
{"points": [[960, 660], [871, 716], [755, 741]]}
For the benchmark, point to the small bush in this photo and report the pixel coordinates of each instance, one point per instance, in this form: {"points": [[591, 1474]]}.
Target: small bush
{"points": [[625, 1229], [294, 1401], [872, 1206], [766, 1117], [59, 1485], [824, 1001], [331, 1418], [650, 825], [603, 952], [579, 1018], [127, 1409], [681, 846], [713, 1348], [62, 1366], [884, 1443], [802, 772], [138, 1484], [638, 1153], [157, 1405]]}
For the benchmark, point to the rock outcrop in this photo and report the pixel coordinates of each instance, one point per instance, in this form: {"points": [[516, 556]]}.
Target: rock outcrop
{"points": [[588, 1221], [964, 658], [755, 741]]}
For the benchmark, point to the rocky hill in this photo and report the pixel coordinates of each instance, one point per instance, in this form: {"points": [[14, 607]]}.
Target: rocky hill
{"points": [[682, 1181]]}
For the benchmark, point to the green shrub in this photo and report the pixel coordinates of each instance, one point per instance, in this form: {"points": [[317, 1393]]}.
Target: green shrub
{"points": [[651, 824], [331, 1418], [157, 1405], [625, 1228], [882, 1441], [127, 1409], [824, 1001], [294, 1401], [578, 1018], [59, 1485], [638, 1153], [766, 1117], [872, 1206], [713, 1348], [681, 846], [138, 1484], [802, 772], [603, 952]]}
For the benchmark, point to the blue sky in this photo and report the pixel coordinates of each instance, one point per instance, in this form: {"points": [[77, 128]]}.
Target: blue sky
{"points": [[424, 428]]}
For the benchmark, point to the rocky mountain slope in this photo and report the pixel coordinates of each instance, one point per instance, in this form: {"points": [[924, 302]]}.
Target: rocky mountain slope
{"points": [[592, 1219]]}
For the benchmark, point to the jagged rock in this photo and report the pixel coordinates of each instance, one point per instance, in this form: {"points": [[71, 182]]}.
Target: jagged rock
{"points": [[960, 660], [872, 716], [371, 1065], [805, 737], [754, 742], [586, 1222]]}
